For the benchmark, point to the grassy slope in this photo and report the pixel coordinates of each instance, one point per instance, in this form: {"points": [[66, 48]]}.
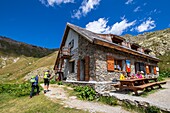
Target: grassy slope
{"points": [[25, 65], [38, 104]]}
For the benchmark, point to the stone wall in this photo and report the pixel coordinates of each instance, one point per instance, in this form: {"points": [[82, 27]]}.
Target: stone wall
{"points": [[98, 60], [102, 73], [67, 74], [87, 49]]}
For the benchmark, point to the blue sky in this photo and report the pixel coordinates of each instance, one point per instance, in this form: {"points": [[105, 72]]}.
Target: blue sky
{"points": [[42, 22]]}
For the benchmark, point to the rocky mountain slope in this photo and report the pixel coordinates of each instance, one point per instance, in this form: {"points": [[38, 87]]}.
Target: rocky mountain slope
{"points": [[18, 60], [158, 42]]}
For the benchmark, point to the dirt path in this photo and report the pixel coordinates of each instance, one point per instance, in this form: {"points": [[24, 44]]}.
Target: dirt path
{"points": [[58, 92]]}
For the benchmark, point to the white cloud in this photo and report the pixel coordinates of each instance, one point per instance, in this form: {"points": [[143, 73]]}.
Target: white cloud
{"points": [[129, 2], [147, 25], [86, 6], [137, 9], [53, 2], [100, 26], [119, 27]]}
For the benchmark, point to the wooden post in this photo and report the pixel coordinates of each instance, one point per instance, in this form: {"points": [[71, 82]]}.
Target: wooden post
{"points": [[87, 68], [78, 70]]}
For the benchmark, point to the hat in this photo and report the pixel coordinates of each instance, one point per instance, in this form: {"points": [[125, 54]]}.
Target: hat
{"points": [[142, 72]]}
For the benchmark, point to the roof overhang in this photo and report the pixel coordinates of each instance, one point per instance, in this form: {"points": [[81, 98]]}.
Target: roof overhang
{"points": [[124, 49]]}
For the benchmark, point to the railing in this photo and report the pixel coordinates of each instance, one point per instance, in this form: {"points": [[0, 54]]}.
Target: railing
{"points": [[140, 50], [126, 44], [65, 52]]}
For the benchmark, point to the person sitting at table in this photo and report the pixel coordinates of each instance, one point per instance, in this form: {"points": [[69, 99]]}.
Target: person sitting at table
{"points": [[139, 75], [122, 75], [133, 76], [142, 73]]}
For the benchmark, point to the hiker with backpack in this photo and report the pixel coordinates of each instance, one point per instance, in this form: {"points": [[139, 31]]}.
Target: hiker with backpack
{"points": [[47, 77], [34, 84]]}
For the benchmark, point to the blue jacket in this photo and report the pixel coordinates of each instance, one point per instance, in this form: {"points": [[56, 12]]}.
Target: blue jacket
{"points": [[36, 79]]}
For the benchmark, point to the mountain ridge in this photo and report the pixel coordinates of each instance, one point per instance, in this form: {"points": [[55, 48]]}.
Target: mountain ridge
{"points": [[12, 47], [19, 60], [158, 42]]}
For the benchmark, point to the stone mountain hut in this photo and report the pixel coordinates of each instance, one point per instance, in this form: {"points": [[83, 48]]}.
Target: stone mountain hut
{"points": [[88, 56]]}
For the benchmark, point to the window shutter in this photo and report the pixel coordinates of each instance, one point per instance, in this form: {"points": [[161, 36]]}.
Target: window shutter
{"points": [[78, 70], [155, 70], [87, 68], [147, 69], [110, 63]]}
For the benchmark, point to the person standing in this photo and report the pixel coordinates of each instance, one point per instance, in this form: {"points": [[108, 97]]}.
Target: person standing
{"points": [[47, 76], [34, 84]]}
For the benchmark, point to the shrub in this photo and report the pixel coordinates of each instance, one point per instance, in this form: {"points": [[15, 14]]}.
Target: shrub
{"points": [[164, 74], [152, 109], [53, 81], [60, 83], [17, 90], [85, 93]]}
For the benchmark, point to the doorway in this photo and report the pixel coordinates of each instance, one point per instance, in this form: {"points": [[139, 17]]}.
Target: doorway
{"points": [[82, 70]]}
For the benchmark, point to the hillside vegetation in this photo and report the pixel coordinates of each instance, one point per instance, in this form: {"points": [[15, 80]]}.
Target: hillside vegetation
{"points": [[18, 60], [158, 42]]}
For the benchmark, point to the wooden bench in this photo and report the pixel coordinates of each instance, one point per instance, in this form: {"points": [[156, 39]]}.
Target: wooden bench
{"points": [[146, 86], [161, 82], [141, 84], [116, 85], [141, 87]]}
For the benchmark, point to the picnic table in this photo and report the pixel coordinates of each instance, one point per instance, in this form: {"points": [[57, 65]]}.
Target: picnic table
{"points": [[139, 84]]}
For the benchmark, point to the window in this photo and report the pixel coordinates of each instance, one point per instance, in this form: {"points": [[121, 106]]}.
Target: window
{"points": [[139, 66], [71, 44], [118, 65], [151, 69], [72, 64], [114, 64]]}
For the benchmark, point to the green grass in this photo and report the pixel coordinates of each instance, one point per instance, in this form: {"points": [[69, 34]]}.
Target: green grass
{"points": [[16, 71], [37, 104]]}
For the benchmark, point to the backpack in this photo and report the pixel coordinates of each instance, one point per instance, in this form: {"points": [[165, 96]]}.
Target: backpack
{"points": [[46, 75], [32, 80]]}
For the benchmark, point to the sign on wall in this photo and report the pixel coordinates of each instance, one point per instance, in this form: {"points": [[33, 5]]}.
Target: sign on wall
{"points": [[128, 67]]}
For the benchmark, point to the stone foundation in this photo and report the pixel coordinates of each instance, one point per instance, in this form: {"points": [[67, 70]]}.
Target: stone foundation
{"points": [[99, 87]]}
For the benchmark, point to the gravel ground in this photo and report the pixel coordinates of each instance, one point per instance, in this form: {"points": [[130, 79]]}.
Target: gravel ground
{"points": [[161, 98], [57, 92]]}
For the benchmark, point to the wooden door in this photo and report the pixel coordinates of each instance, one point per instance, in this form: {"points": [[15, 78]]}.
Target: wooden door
{"points": [[87, 68]]}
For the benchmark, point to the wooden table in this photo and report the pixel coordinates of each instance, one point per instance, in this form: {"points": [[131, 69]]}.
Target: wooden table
{"points": [[137, 84]]}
